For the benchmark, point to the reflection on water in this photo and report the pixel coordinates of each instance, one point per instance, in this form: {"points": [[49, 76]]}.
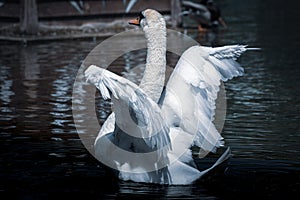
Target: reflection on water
{"points": [[41, 153]]}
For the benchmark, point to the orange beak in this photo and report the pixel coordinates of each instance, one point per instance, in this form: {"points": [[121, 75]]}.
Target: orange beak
{"points": [[135, 21]]}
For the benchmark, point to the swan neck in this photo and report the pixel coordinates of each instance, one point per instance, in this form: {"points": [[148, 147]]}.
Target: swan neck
{"points": [[154, 76]]}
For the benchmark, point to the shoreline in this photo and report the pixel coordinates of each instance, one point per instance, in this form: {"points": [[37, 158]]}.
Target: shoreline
{"points": [[50, 31], [60, 31], [29, 39]]}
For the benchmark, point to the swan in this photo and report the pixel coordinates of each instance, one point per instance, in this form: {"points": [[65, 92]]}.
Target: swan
{"points": [[148, 136]]}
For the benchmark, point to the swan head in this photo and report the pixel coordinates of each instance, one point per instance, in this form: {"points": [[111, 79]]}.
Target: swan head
{"points": [[149, 18]]}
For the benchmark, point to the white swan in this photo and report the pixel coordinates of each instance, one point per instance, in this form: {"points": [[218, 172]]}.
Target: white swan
{"points": [[148, 136]]}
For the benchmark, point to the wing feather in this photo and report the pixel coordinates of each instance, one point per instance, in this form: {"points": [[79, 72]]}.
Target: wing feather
{"points": [[134, 112], [190, 95]]}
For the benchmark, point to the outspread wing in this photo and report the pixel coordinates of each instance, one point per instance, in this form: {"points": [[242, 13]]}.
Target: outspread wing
{"points": [[190, 95], [136, 115]]}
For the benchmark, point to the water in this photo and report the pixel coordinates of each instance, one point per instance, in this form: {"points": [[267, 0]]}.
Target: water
{"points": [[42, 155]]}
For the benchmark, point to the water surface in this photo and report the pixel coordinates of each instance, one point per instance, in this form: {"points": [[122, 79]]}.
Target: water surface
{"points": [[42, 155]]}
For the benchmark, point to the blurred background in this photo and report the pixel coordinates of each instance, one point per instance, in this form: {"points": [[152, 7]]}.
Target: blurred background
{"points": [[43, 44]]}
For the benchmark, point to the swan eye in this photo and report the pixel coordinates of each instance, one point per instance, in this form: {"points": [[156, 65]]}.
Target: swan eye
{"points": [[141, 16], [138, 20]]}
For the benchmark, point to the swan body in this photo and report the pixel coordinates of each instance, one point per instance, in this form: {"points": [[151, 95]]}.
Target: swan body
{"points": [[148, 136]]}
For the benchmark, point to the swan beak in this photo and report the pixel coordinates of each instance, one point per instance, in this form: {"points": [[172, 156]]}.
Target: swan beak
{"points": [[135, 22]]}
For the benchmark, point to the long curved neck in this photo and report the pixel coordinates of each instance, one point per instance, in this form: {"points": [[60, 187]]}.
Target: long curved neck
{"points": [[154, 76]]}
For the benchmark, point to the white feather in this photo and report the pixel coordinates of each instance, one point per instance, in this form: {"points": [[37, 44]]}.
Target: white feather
{"points": [[202, 68], [184, 116]]}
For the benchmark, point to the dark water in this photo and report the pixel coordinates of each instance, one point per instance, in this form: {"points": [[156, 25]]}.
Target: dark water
{"points": [[42, 156]]}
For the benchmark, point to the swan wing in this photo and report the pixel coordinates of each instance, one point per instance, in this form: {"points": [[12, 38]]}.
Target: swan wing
{"points": [[135, 113], [189, 98]]}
